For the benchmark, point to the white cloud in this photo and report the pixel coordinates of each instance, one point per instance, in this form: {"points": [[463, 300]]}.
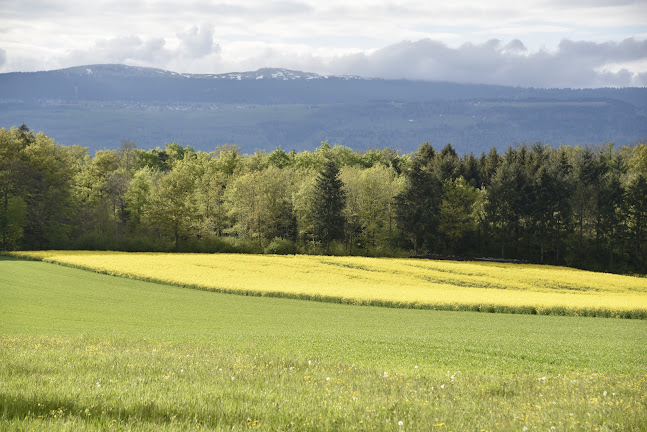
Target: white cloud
{"points": [[573, 64], [121, 49], [198, 41], [535, 40]]}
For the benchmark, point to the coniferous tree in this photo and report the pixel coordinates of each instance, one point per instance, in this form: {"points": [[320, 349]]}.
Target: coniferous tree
{"points": [[418, 205], [329, 202]]}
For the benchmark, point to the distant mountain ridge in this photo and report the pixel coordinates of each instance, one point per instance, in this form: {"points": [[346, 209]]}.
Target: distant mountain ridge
{"points": [[119, 70], [100, 105], [267, 85]]}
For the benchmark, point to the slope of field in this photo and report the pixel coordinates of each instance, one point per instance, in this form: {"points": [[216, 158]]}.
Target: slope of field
{"points": [[478, 286], [86, 351]]}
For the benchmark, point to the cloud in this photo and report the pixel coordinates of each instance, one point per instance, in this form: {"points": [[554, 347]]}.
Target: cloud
{"points": [[198, 41], [121, 49], [193, 44], [540, 43], [573, 64], [515, 47]]}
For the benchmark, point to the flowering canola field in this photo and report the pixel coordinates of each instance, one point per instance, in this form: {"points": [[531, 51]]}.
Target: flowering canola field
{"points": [[84, 351], [416, 283]]}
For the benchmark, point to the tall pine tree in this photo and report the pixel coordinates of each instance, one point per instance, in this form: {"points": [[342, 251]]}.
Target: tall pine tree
{"points": [[329, 202], [418, 205]]}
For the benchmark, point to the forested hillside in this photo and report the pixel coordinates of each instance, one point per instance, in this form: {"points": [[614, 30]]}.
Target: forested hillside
{"points": [[99, 106], [578, 206]]}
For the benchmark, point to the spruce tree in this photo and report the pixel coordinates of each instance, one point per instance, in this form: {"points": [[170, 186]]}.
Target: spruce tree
{"points": [[329, 202], [418, 205]]}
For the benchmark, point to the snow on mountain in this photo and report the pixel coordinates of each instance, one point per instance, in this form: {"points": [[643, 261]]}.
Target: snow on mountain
{"points": [[278, 74]]}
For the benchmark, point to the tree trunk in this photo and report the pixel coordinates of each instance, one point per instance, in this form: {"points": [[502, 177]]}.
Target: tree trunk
{"points": [[5, 219], [557, 245], [260, 237], [581, 228]]}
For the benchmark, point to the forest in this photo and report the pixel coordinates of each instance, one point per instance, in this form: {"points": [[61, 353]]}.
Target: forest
{"points": [[579, 206]]}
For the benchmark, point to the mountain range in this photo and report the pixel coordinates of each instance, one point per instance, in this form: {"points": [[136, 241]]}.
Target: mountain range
{"points": [[99, 106]]}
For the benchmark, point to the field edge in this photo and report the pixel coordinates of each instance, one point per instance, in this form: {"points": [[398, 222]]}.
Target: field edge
{"points": [[640, 314]]}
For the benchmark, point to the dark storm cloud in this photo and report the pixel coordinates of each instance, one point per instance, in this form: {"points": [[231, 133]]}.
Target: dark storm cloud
{"points": [[573, 64]]}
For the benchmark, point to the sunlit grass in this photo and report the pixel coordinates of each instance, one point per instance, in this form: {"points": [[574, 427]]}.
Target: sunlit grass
{"points": [[97, 384], [492, 287], [85, 351]]}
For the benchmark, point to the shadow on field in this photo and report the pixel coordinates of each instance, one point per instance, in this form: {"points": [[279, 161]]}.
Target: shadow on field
{"points": [[19, 407], [10, 258]]}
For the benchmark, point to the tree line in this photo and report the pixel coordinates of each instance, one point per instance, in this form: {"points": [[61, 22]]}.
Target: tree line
{"points": [[578, 206]]}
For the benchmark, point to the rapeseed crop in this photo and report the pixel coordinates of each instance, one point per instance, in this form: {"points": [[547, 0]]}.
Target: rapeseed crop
{"points": [[85, 351], [413, 283]]}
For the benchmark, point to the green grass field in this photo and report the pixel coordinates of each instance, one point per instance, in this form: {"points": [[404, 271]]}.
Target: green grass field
{"points": [[86, 351]]}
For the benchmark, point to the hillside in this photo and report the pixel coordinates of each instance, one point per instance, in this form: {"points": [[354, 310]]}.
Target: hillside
{"points": [[86, 351], [99, 106]]}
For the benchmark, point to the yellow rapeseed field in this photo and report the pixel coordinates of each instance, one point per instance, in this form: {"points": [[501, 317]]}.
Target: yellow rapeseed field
{"points": [[382, 281]]}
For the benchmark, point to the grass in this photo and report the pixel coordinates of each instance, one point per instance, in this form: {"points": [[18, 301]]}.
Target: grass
{"points": [[86, 351], [409, 283]]}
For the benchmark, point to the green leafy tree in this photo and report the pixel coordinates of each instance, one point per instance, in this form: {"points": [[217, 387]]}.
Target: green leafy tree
{"points": [[277, 190], [370, 205], [209, 196], [13, 210], [138, 195], [47, 192], [100, 187], [280, 158], [351, 178], [243, 199], [303, 198], [636, 199], [169, 208], [261, 206]]}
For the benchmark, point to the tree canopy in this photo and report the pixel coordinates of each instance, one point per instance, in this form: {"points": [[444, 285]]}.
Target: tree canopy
{"points": [[577, 206]]}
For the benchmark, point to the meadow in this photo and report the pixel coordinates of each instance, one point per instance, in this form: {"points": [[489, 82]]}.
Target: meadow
{"points": [[409, 283], [87, 351]]}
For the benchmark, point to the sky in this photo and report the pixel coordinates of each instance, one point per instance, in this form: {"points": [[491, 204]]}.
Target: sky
{"points": [[533, 43]]}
